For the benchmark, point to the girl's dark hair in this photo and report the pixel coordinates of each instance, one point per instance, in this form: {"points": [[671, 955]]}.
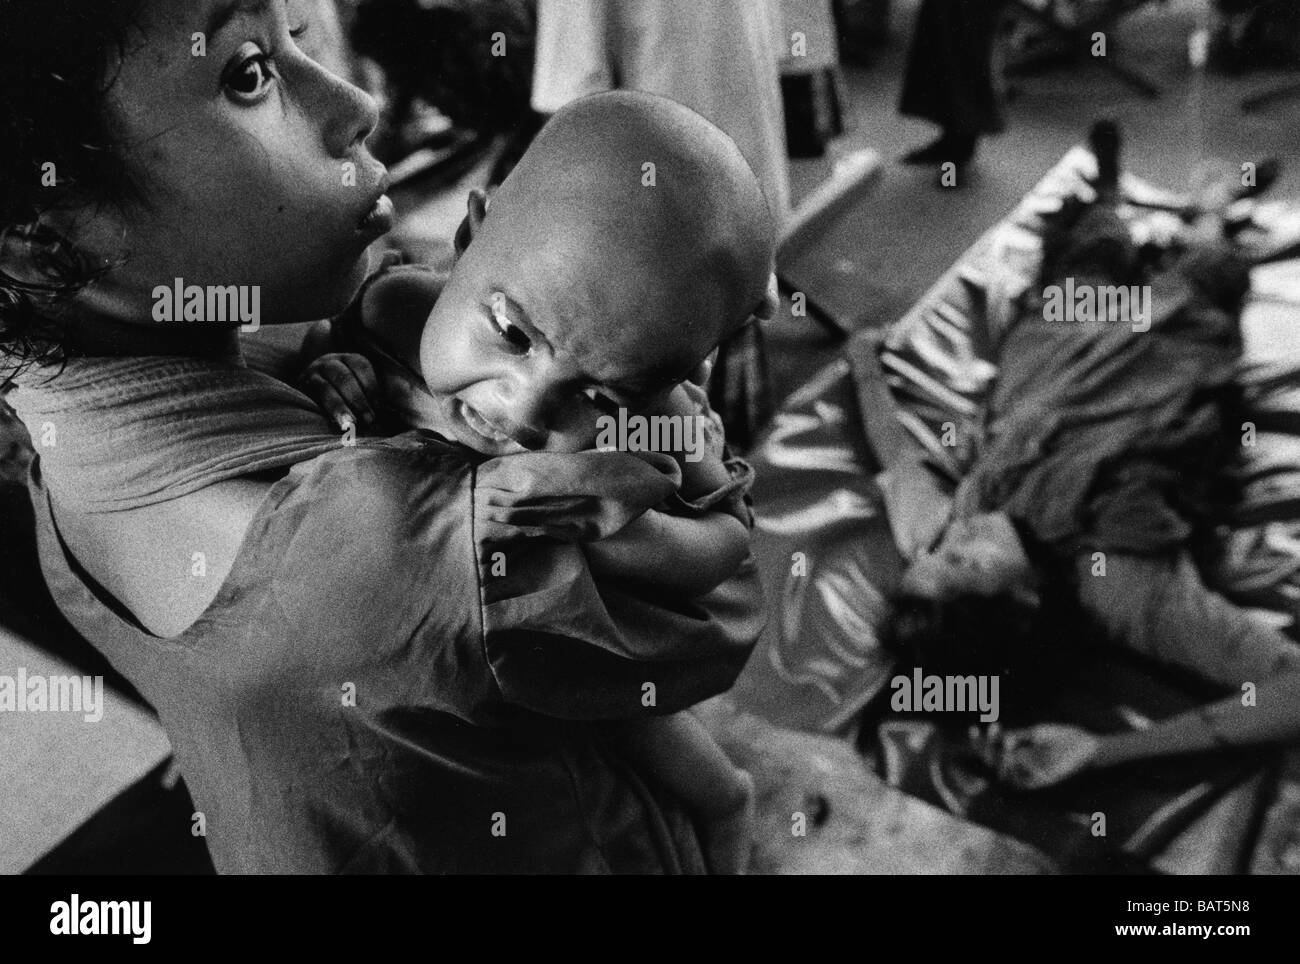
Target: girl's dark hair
{"points": [[58, 61], [976, 635], [1025, 646]]}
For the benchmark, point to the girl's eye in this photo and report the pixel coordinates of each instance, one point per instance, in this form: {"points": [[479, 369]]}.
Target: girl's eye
{"points": [[250, 78], [602, 402], [516, 337]]}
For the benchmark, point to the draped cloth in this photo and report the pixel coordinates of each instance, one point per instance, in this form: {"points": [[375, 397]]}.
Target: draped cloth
{"points": [[122, 433], [382, 678]]}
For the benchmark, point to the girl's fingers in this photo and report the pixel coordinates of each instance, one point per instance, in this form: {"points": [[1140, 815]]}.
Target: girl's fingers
{"points": [[338, 373], [330, 400], [363, 374], [478, 202], [700, 374]]}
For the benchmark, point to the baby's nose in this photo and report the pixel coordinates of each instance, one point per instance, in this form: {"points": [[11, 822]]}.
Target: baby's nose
{"points": [[524, 417]]}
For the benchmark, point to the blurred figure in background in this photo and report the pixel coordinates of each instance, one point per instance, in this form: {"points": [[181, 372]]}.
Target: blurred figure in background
{"points": [[950, 80], [472, 60], [718, 58]]}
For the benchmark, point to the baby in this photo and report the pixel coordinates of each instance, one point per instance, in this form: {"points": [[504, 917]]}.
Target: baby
{"points": [[630, 239]]}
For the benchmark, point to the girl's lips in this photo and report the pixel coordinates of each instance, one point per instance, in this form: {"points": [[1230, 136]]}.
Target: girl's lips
{"points": [[379, 219]]}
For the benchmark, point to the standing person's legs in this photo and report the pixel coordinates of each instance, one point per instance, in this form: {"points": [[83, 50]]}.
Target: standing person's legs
{"points": [[949, 77], [572, 56], [719, 59]]}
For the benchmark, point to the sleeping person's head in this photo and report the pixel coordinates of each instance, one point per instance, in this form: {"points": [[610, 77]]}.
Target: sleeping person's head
{"points": [[145, 141], [631, 238], [970, 604]]}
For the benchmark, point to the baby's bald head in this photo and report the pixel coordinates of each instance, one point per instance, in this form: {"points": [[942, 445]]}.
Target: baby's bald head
{"points": [[627, 242], [647, 191]]}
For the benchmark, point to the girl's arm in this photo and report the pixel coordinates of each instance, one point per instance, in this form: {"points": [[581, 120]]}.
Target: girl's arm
{"points": [[1049, 753], [1160, 608], [916, 503], [1273, 716]]}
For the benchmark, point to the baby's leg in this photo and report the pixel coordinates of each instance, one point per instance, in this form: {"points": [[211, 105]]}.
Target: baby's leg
{"points": [[680, 754]]}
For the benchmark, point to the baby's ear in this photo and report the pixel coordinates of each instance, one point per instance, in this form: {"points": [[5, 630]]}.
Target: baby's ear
{"points": [[771, 301], [476, 211], [765, 310]]}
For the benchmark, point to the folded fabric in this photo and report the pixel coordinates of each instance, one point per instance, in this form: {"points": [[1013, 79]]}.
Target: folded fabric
{"points": [[115, 434]]}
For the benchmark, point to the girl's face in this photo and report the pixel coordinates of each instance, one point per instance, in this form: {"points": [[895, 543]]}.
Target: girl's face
{"points": [[250, 158], [980, 555]]}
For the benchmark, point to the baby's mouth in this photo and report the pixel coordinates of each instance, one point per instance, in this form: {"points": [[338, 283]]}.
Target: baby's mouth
{"points": [[497, 439]]}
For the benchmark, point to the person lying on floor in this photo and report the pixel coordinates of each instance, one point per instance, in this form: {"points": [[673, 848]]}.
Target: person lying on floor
{"points": [[1099, 466], [577, 251], [1049, 753]]}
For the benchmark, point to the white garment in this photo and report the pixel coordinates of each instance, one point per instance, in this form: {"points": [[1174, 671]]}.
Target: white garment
{"points": [[719, 58]]}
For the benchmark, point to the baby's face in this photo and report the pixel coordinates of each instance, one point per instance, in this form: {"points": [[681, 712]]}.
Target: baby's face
{"points": [[539, 333]]}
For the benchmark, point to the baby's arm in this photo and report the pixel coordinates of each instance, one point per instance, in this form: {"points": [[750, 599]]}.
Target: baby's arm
{"points": [[680, 754], [690, 556], [693, 553]]}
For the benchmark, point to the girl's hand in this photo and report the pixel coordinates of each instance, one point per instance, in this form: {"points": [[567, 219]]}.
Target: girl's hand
{"points": [[1037, 757], [345, 386]]}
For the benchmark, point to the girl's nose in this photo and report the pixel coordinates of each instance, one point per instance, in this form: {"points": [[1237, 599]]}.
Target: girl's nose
{"points": [[350, 114]]}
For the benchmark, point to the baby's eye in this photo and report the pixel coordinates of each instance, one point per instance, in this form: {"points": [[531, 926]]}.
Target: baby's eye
{"points": [[602, 402], [507, 329], [250, 78]]}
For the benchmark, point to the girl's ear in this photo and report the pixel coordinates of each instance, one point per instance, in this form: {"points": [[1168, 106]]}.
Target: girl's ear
{"points": [[476, 211]]}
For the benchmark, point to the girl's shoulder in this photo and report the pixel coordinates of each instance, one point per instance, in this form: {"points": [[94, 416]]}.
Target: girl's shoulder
{"points": [[377, 490], [334, 521]]}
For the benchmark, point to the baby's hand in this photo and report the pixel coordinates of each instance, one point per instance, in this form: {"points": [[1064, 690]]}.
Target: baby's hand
{"points": [[573, 497], [345, 386]]}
